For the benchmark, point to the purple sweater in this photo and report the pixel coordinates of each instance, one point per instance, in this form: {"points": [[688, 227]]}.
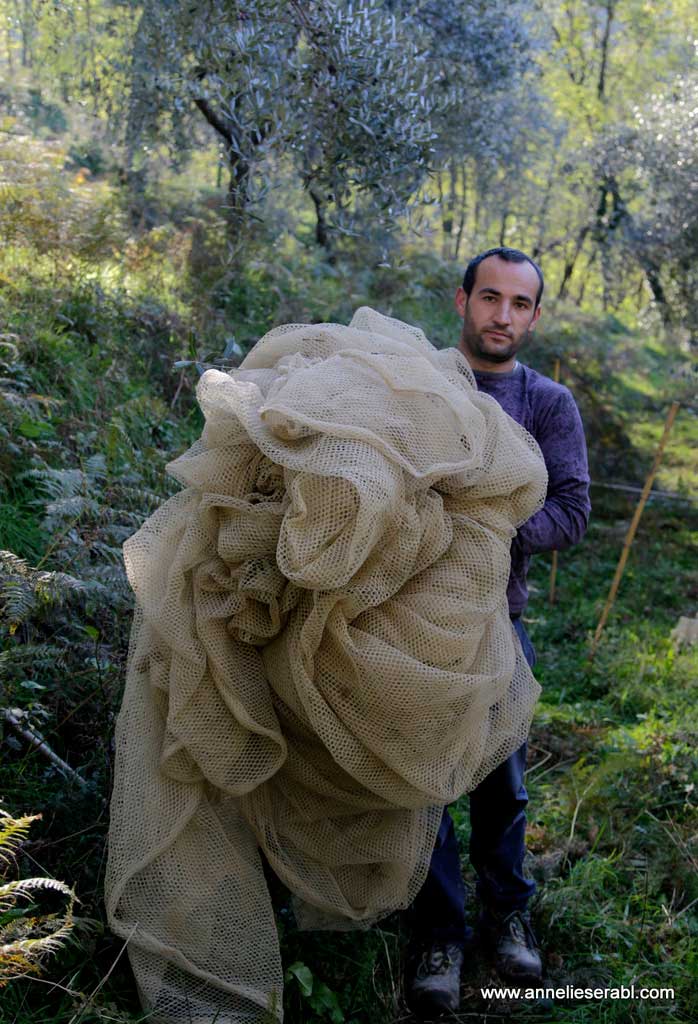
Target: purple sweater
{"points": [[548, 411]]}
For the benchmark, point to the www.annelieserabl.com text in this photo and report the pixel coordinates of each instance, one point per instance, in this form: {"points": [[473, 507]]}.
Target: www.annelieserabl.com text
{"points": [[629, 992]]}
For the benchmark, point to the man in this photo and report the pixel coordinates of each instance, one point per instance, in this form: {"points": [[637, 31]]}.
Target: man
{"points": [[499, 303]]}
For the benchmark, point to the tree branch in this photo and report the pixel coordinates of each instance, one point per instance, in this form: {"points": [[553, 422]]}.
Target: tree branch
{"points": [[38, 743], [215, 120]]}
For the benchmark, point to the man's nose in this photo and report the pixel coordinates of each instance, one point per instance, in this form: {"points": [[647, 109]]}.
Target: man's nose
{"points": [[503, 314]]}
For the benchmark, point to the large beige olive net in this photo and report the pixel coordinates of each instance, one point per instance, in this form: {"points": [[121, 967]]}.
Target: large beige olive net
{"points": [[321, 654]]}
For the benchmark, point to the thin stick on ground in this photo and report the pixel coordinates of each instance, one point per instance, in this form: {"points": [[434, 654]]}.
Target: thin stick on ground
{"points": [[630, 536], [38, 743]]}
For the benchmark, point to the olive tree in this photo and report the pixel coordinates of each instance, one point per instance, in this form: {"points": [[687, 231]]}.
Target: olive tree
{"points": [[341, 88], [650, 172], [367, 97]]}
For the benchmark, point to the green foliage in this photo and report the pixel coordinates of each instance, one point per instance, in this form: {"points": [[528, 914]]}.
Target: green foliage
{"points": [[655, 159], [359, 972], [40, 209], [44, 114], [321, 1000], [304, 82]]}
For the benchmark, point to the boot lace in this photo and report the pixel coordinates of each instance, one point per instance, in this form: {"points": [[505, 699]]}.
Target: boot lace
{"points": [[435, 960], [519, 927]]}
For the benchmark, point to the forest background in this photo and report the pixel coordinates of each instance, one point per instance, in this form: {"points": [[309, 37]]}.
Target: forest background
{"points": [[178, 178]]}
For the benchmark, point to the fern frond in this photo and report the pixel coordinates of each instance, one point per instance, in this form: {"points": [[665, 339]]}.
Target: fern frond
{"points": [[26, 887], [96, 467], [108, 573], [24, 954], [70, 507], [10, 563], [24, 590], [31, 948], [20, 950], [15, 965], [61, 585], [58, 483], [13, 831], [95, 587], [9, 346], [40, 926], [18, 599], [38, 656], [14, 398], [140, 496], [111, 552], [143, 409]]}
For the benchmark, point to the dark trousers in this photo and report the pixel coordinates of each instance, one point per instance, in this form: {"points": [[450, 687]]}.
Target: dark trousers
{"points": [[497, 847]]}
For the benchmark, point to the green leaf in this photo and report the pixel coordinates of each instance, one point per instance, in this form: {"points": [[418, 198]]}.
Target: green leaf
{"points": [[14, 913], [303, 975], [324, 1001], [35, 428]]}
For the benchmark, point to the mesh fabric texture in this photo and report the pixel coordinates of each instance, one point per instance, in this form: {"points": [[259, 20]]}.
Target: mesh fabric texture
{"points": [[321, 654]]}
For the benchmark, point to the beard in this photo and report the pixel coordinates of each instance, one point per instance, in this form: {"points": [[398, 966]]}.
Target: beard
{"points": [[473, 341]]}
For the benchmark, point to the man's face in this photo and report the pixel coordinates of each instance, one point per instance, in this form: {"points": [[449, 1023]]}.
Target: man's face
{"points": [[498, 314]]}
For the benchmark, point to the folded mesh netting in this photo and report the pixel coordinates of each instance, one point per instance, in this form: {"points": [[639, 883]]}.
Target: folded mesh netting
{"points": [[321, 654]]}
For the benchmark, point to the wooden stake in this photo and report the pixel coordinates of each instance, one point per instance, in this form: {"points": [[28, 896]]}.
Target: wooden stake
{"points": [[553, 567], [630, 536]]}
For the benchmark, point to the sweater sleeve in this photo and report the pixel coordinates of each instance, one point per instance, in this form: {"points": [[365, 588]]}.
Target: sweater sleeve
{"points": [[563, 519]]}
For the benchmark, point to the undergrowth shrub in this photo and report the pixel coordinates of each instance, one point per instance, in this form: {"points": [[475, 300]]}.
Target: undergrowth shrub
{"points": [[42, 208]]}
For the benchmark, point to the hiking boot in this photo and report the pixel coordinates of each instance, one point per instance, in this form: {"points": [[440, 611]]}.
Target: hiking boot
{"points": [[433, 984], [513, 944]]}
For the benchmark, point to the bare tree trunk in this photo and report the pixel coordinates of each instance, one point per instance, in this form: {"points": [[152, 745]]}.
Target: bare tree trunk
{"points": [[322, 234], [651, 272], [452, 203], [476, 218], [603, 68], [503, 228], [138, 119], [446, 224], [463, 210], [239, 167], [605, 275], [585, 278], [542, 217], [25, 16], [8, 45], [237, 193], [570, 263], [93, 60]]}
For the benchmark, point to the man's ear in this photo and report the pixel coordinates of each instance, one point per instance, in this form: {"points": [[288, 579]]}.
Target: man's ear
{"points": [[535, 319], [461, 301]]}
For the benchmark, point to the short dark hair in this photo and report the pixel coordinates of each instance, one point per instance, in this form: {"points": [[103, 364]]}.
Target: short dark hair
{"points": [[511, 256]]}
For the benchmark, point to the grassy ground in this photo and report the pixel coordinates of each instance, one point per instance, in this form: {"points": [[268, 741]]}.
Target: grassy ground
{"points": [[94, 411]]}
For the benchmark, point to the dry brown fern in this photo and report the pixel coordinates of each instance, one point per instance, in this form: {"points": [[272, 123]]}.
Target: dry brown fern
{"points": [[26, 938]]}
